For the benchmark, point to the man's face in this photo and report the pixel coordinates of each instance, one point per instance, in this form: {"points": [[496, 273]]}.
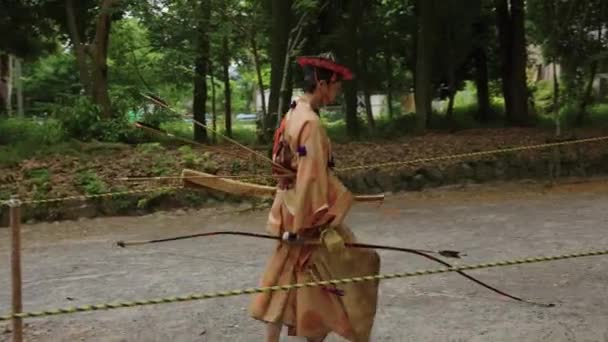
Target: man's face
{"points": [[330, 90]]}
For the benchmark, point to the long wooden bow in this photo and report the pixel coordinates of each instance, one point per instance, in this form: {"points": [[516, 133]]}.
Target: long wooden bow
{"points": [[424, 253]]}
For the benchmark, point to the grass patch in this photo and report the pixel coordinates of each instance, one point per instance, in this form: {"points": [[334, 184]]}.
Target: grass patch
{"points": [[43, 132], [243, 132], [597, 117], [39, 181], [22, 138], [153, 148], [12, 155], [90, 183]]}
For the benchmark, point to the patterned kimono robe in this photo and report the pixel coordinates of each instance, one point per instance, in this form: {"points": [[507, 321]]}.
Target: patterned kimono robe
{"points": [[316, 198]]}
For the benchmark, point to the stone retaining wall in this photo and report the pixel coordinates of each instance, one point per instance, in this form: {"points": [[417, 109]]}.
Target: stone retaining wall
{"points": [[503, 168]]}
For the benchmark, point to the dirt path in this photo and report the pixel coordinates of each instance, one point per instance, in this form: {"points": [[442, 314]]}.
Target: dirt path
{"points": [[74, 263]]}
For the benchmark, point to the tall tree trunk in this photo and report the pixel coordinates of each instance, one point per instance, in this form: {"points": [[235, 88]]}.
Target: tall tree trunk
{"points": [[451, 73], [258, 72], [100, 57], [556, 99], [424, 53], [261, 121], [227, 92], [588, 91], [389, 80], [200, 97], [19, 86], [287, 92], [366, 87], [450, 110], [586, 95], [201, 64], [213, 102], [519, 86], [9, 87], [556, 169], [80, 49], [369, 113], [350, 52], [4, 78], [481, 83], [281, 25], [505, 46]]}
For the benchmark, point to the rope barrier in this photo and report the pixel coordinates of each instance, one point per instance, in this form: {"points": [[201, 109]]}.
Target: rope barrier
{"points": [[472, 154], [403, 162], [85, 197], [353, 280]]}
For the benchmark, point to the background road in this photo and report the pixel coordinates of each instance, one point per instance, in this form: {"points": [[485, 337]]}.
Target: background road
{"points": [[75, 263]]}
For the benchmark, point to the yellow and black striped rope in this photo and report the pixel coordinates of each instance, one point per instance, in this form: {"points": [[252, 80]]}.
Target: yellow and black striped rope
{"points": [[13, 202], [223, 294], [471, 154]]}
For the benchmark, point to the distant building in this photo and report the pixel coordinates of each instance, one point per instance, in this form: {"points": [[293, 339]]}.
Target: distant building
{"points": [[542, 70]]}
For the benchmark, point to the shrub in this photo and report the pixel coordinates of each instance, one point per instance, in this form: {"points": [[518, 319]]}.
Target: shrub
{"points": [[90, 182]]}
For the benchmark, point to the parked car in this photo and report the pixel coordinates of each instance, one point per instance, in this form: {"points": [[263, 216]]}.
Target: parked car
{"points": [[246, 117]]}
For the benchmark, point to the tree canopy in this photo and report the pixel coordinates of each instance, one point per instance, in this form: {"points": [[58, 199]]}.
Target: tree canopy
{"points": [[213, 60]]}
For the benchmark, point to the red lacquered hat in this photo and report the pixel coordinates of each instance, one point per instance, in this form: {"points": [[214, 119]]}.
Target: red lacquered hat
{"points": [[326, 61]]}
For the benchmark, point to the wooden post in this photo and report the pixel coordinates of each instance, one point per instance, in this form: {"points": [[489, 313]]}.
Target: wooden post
{"points": [[15, 220]]}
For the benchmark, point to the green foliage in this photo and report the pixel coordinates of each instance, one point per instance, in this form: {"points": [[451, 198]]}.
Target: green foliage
{"points": [[194, 159], [80, 119], [9, 156], [208, 164], [30, 130], [162, 165], [39, 181], [47, 80], [31, 31], [543, 96], [152, 148], [22, 138], [567, 31], [243, 132], [89, 182], [153, 49], [190, 158], [78, 115], [236, 167]]}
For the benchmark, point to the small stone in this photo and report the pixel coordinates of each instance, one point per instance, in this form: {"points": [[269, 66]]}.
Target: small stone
{"points": [[203, 332]]}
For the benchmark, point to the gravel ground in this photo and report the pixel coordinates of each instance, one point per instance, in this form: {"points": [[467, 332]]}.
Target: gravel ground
{"points": [[75, 263]]}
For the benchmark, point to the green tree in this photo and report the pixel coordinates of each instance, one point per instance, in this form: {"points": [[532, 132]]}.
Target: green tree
{"points": [[88, 24], [512, 37], [572, 34], [181, 31], [425, 47], [280, 17]]}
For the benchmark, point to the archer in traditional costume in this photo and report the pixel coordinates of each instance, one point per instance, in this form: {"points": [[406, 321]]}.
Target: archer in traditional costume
{"points": [[310, 206]]}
